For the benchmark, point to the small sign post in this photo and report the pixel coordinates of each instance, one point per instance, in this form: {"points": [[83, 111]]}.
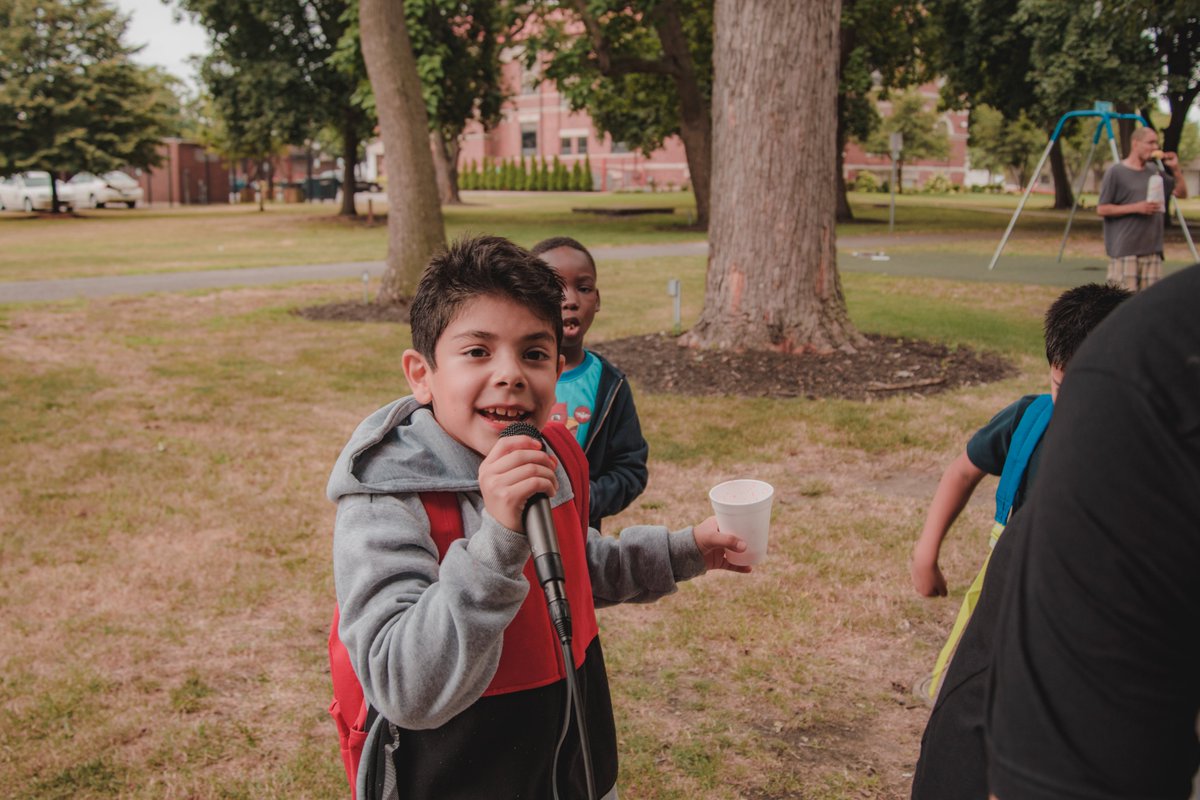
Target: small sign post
{"points": [[896, 141], [674, 291]]}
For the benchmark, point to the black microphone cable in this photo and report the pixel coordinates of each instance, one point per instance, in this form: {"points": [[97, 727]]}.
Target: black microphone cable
{"points": [[547, 564]]}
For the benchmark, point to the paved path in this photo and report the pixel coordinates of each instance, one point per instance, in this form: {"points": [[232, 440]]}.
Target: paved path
{"points": [[849, 247]]}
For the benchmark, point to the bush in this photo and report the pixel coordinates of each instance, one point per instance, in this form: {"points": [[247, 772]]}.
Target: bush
{"points": [[520, 176], [865, 182], [587, 184], [938, 184], [558, 176]]}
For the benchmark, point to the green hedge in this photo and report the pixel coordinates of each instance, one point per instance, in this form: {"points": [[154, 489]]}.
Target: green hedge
{"points": [[536, 175]]}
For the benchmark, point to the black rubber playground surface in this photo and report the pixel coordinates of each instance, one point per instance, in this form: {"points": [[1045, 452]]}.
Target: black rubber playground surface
{"points": [[1011, 268]]}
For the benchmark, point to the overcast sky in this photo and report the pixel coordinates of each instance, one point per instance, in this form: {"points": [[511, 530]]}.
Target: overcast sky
{"points": [[167, 43]]}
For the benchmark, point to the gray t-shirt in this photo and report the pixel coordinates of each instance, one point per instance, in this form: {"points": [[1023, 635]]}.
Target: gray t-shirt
{"points": [[1132, 234]]}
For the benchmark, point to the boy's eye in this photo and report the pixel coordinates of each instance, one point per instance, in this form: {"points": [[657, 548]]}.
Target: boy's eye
{"points": [[538, 355], [477, 352]]}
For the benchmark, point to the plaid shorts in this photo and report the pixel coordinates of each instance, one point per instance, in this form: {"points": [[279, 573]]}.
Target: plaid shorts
{"points": [[1135, 272]]}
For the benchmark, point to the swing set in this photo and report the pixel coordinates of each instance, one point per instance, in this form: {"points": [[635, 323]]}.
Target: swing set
{"points": [[1104, 111]]}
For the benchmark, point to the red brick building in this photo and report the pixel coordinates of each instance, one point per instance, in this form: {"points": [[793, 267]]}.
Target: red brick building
{"points": [[538, 123], [188, 175], [916, 173]]}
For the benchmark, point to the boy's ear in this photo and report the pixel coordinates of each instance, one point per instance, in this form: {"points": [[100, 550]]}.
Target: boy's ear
{"points": [[562, 362], [416, 372], [597, 298]]}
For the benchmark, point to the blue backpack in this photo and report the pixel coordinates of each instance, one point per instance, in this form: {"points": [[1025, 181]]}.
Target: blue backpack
{"points": [[1029, 432]]}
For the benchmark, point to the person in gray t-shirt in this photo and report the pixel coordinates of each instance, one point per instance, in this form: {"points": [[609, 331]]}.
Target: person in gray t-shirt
{"points": [[1132, 202]]}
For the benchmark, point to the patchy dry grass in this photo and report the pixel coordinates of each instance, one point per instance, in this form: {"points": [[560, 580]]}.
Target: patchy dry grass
{"points": [[164, 549]]}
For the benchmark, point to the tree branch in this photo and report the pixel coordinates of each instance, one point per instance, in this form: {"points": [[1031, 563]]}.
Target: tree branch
{"points": [[615, 66]]}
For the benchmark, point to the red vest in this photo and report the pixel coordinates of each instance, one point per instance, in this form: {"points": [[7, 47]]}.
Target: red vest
{"points": [[530, 656]]}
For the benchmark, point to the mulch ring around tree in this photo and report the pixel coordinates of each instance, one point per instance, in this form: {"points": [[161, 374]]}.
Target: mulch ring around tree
{"points": [[884, 367], [656, 363]]}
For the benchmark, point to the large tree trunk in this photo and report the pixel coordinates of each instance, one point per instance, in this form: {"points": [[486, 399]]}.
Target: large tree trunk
{"points": [[445, 168], [772, 272], [415, 226], [1180, 103], [53, 192], [695, 112], [1064, 196], [349, 159]]}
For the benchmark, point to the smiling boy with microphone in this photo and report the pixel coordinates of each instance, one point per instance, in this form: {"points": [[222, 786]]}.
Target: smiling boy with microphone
{"points": [[432, 566]]}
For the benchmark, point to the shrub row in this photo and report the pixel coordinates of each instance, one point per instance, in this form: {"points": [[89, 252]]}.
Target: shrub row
{"points": [[534, 175]]}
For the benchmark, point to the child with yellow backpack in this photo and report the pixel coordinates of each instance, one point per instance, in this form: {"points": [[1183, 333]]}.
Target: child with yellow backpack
{"points": [[1008, 446]]}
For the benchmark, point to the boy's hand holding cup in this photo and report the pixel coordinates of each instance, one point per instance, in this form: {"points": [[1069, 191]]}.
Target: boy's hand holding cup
{"points": [[743, 507], [716, 546]]}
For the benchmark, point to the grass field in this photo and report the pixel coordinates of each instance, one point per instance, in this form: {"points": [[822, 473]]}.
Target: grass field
{"points": [[929, 228], [165, 540]]}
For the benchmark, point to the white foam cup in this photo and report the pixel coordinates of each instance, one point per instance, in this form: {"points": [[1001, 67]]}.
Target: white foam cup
{"points": [[743, 508]]}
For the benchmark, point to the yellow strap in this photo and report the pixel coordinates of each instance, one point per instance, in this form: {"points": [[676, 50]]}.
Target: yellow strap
{"points": [[964, 615]]}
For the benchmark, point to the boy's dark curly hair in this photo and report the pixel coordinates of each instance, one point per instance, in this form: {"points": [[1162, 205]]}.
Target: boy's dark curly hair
{"points": [[482, 266]]}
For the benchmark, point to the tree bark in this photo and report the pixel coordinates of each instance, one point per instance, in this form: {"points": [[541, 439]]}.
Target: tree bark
{"points": [[445, 167], [772, 272], [695, 113], [349, 159], [53, 192], [1064, 196], [1180, 103], [415, 226]]}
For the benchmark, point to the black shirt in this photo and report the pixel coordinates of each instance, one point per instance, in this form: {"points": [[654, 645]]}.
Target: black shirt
{"points": [[1095, 682]]}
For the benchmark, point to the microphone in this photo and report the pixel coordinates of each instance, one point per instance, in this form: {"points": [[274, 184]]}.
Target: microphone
{"points": [[543, 541]]}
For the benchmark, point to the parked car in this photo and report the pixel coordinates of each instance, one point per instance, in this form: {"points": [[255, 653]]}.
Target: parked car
{"points": [[92, 191], [360, 185], [30, 191]]}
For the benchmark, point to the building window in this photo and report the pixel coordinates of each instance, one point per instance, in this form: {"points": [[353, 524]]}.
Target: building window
{"points": [[565, 148], [581, 145], [529, 143], [619, 147]]}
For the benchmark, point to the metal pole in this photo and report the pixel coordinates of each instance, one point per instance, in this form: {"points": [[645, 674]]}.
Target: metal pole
{"points": [[1028, 191], [1082, 177], [1186, 233], [892, 208]]}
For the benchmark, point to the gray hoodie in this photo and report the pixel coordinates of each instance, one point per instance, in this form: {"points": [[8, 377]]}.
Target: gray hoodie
{"points": [[424, 637]]}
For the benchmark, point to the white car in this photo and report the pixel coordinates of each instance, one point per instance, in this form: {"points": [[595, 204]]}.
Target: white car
{"points": [[91, 191], [30, 191]]}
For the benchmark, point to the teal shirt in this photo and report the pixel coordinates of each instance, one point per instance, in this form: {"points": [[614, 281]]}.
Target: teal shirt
{"points": [[576, 396]]}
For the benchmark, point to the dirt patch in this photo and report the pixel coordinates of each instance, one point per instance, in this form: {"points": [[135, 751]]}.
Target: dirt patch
{"points": [[883, 367], [353, 311]]}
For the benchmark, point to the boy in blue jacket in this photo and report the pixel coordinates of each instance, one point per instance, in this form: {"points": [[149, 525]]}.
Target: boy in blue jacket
{"points": [[594, 399], [450, 644]]}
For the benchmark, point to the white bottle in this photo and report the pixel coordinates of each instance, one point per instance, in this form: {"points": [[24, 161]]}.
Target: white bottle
{"points": [[1154, 189]]}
